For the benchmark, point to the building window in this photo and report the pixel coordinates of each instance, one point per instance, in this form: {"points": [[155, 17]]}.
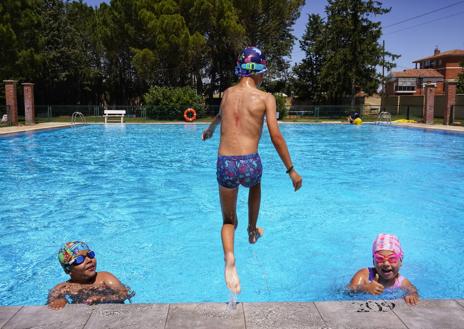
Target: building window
{"points": [[405, 88]]}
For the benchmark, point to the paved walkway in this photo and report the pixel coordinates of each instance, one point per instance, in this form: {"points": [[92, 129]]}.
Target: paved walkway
{"points": [[456, 129], [433, 314], [55, 125], [37, 127]]}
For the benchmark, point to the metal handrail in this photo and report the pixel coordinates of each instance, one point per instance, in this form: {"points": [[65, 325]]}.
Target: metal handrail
{"points": [[384, 117], [78, 116]]}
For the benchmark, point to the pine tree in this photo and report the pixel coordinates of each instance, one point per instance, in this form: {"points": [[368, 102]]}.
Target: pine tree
{"points": [[352, 50], [307, 84]]}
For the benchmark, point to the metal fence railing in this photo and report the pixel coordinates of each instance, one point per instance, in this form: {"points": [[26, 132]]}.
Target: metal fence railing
{"points": [[409, 112], [457, 115], [94, 113], [330, 111]]}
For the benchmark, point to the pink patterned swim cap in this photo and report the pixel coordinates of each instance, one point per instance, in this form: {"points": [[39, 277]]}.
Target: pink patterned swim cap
{"points": [[390, 242]]}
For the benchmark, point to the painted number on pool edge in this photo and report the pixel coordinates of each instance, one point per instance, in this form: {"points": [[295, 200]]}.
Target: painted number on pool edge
{"points": [[372, 306]]}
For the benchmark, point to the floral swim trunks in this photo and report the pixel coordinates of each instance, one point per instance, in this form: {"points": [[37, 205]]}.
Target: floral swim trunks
{"points": [[239, 169]]}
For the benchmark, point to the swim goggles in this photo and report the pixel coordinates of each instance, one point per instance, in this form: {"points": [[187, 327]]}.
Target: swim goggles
{"points": [[392, 259], [80, 259], [253, 66]]}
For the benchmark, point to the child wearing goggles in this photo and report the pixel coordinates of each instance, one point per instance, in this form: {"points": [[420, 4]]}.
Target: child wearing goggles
{"points": [[85, 285], [387, 257]]}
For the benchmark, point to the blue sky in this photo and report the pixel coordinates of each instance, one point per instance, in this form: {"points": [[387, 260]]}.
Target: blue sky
{"points": [[414, 39]]}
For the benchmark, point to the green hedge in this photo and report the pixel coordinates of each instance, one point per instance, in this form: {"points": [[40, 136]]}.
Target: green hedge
{"points": [[281, 108], [169, 103]]}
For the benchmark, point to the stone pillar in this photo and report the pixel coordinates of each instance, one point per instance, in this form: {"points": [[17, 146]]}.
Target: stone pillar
{"points": [[429, 102], [11, 101], [29, 105], [450, 100]]}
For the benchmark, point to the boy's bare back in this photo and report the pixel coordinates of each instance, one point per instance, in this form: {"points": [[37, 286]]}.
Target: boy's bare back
{"points": [[242, 114]]}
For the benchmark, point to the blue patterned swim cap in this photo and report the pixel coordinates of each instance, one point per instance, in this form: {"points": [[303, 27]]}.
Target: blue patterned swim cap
{"points": [[68, 253], [250, 62]]}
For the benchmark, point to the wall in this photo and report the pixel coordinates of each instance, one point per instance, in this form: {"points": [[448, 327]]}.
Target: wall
{"points": [[415, 103]]}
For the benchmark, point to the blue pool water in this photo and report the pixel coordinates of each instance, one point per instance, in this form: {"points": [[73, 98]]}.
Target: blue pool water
{"points": [[145, 198]]}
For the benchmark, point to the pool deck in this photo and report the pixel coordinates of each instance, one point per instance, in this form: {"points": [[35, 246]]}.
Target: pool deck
{"points": [[455, 129], [56, 125], [433, 314], [37, 127]]}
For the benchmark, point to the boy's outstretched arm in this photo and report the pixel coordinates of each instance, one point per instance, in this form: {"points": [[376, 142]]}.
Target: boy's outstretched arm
{"points": [[412, 296], [279, 141], [208, 132]]}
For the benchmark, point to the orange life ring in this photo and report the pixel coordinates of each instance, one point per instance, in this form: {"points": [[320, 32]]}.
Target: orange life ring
{"points": [[192, 113]]}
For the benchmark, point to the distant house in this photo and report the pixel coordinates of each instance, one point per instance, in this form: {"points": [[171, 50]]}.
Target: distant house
{"points": [[441, 67]]}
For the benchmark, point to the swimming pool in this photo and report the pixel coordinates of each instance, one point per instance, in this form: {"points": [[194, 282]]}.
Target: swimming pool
{"points": [[145, 199]]}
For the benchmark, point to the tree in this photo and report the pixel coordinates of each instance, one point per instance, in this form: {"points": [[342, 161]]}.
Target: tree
{"points": [[218, 21], [120, 31], [352, 50], [268, 25], [168, 56], [19, 39], [114, 53], [307, 84]]}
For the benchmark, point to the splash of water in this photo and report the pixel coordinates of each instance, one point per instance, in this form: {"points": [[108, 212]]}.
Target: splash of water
{"points": [[232, 304]]}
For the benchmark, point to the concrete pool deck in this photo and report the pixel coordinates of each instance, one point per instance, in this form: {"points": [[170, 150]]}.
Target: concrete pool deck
{"points": [[433, 314], [56, 125], [11, 130]]}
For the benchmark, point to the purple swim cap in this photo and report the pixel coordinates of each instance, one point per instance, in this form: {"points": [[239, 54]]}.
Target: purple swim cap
{"points": [[250, 62]]}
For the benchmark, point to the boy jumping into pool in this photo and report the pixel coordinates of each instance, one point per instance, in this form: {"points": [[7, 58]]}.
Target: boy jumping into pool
{"points": [[242, 111], [86, 285]]}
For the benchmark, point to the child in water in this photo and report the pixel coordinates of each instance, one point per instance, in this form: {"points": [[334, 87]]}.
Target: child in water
{"points": [[384, 276], [86, 285]]}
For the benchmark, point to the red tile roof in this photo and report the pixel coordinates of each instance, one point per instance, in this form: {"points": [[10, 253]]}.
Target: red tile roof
{"points": [[448, 53], [417, 73]]}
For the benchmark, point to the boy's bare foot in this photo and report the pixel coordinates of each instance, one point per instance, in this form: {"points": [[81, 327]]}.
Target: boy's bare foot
{"points": [[230, 274], [255, 234]]}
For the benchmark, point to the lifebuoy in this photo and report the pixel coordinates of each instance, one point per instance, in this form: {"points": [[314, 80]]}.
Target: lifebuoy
{"points": [[190, 115]]}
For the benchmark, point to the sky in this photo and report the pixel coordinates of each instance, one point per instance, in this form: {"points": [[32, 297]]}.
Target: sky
{"points": [[441, 24]]}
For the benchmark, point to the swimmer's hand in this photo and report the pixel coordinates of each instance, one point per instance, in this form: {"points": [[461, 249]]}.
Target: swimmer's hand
{"points": [[411, 299], [374, 287], [207, 133], [296, 180], [57, 304]]}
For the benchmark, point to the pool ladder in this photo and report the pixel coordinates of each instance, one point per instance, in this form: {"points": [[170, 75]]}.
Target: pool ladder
{"points": [[78, 116], [383, 118]]}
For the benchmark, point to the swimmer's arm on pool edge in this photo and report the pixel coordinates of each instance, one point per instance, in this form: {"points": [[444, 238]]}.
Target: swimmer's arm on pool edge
{"points": [[412, 296], [56, 298]]}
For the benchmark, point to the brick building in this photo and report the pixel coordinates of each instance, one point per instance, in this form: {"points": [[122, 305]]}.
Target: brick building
{"points": [[438, 68]]}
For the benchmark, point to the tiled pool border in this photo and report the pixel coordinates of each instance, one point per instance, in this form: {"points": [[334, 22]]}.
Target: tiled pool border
{"points": [[340, 314]]}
